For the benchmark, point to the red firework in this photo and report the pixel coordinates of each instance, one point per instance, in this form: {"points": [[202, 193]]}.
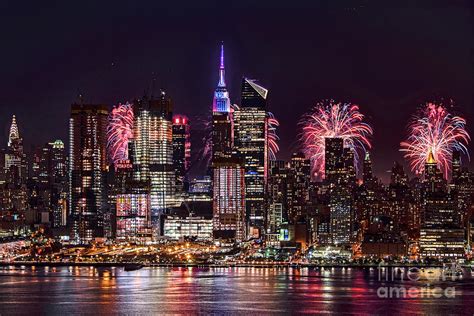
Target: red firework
{"points": [[330, 119], [119, 132], [434, 129], [272, 136]]}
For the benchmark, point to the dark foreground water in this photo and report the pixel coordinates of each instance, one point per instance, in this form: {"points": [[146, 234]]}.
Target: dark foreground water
{"points": [[84, 290]]}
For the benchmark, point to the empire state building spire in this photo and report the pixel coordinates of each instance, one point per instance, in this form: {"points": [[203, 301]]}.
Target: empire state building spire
{"points": [[221, 102], [222, 69]]}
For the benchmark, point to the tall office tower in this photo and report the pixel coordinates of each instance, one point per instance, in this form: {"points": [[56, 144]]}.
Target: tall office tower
{"points": [[152, 154], [88, 170], [16, 167], [250, 144], [299, 178], [441, 234], [277, 188], [229, 200], [433, 176], [181, 149], [339, 164], [367, 174], [341, 215], [222, 130], [51, 180], [14, 194], [456, 166], [277, 193], [133, 213], [333, 160]]}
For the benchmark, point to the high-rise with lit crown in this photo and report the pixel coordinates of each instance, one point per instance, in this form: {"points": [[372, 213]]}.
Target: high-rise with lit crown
{"points": [[88, 168], [222, 130], [250, 144], [15, 158]]}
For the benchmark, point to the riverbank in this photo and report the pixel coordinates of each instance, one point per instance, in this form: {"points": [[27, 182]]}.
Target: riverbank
{"points": [[228, 265]]}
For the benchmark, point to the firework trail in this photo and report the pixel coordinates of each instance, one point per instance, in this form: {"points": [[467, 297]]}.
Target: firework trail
{"points": [[273, 138], [329, 119], [119, 131], [434, 129]]}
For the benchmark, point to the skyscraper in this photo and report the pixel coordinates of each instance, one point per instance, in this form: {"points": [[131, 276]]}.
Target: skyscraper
{"points": [[339, 169], [181, 148], [51, 180], [433, 176], [88, 168], [222, 131], [13, 193], [152, 155], [299, 177], [133, 213], [229, 200], [15, 158], [333, 159], [250, 145]]}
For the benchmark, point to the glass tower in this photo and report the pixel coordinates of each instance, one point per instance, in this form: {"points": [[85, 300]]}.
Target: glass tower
{"points": [[250, 144]]}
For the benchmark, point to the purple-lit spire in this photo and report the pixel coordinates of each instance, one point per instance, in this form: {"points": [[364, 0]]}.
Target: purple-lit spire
{"points": [[221, 69], [221, 102]]}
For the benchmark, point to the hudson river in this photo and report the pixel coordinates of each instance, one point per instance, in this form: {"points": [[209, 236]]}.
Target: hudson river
{"points": [[89, 290]]}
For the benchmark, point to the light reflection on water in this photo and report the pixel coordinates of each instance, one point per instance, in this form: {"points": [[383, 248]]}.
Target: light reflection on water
{"points": [[82, 290]]}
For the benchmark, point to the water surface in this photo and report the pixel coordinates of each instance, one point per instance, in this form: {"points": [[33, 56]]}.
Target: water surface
{"points": [[88, 290]]}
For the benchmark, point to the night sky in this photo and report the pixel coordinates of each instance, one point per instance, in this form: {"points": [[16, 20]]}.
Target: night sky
{"points": [[386, 56]]}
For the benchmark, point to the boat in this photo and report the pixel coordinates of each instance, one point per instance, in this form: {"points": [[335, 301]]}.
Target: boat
{"points": [[133, 267]]}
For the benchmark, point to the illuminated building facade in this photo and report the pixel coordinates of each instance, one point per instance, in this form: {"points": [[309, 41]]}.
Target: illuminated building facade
{"points": [[298, 187], [51, 180], [250, 143], [194, 227], [277, 194], [133, 214], [152, 154], [339, 166], [88, 170], [334, 160], [15, 159], [119, 181], [229, 200], [13, 190], [441, 234], [181, 149]]}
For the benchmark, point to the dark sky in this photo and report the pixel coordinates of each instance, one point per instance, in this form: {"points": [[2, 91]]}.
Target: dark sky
{"points": [[386, 56]]}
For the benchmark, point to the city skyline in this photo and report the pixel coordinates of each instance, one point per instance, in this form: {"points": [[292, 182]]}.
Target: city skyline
{"points": [[314, 68], [292, 157]]}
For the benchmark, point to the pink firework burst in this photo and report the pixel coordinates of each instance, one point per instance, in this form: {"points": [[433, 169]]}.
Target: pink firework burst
{"points": [[330, 119], [119, 132], [273, 138], [434, 129]]}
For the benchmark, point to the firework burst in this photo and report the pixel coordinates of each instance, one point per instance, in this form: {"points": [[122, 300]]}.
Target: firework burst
{"points": [[330, 119], [434, 129], [273, 138], [119, 131]]}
